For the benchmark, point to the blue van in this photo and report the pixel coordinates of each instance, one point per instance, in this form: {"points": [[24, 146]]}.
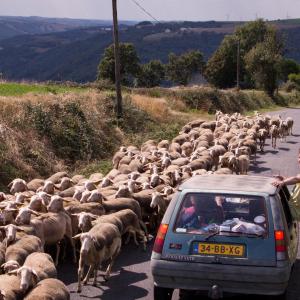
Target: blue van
{"points": [[226, 234]]}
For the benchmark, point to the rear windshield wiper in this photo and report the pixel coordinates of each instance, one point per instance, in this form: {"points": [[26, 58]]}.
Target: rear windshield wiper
{"points": [[244, 233], [217, 231]]}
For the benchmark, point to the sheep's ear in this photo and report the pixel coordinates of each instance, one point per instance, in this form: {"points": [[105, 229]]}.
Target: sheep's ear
{"points": [[94, 217], [13, 272], [34, 212], [35, 275], [20, 229], [10, 184], [77, 236], [75, 215]]}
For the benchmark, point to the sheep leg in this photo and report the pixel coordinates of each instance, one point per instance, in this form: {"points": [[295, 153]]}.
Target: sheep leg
{"points": [[68, 234], [88, 274], [80, 274], [57, 253], [112, 260], [96, 267], [144, 227]]}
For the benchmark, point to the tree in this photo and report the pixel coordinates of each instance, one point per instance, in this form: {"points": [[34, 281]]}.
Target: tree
{"points": [[151, 74], [262, 63], [129, 64], [181, 67], [221, 68], [287, 67]]}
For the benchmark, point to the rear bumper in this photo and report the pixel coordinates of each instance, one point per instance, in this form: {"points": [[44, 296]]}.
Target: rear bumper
{"points": [[229, 278]]}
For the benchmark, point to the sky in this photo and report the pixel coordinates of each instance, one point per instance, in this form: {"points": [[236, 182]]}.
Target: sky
{"points": [[163, 10]]}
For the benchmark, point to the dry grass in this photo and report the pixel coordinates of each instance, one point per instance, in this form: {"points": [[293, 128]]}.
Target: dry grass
{"points": [[157, 108]]}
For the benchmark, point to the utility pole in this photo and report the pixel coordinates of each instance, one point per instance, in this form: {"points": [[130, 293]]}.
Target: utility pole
{"points": [[238, 66], [119, 106]]}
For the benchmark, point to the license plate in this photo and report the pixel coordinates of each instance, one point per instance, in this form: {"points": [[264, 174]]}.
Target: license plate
{"points": [[220, 249]]}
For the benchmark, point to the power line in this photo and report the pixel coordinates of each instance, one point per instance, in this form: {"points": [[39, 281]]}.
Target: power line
{"points": [[144, 10]]}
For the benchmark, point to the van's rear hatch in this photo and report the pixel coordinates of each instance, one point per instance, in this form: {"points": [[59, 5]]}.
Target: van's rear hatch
{"points": [[222, 229]]}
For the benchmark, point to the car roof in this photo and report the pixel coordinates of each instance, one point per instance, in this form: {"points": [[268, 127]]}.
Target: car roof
{"points": [[237, 183]]}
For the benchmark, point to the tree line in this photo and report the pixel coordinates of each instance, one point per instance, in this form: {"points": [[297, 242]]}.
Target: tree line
{"points": [[257, 45]]}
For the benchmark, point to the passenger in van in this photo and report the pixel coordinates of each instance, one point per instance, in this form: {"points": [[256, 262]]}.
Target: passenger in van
{"points": [[281, 181], [201, 212]]}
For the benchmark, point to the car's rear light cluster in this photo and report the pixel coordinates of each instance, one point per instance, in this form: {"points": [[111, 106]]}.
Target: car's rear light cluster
{"points": [[160, 238], [280, 245]]}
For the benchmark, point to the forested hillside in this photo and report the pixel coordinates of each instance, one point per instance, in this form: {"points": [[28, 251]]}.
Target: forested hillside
{"points": [[74, 54]]}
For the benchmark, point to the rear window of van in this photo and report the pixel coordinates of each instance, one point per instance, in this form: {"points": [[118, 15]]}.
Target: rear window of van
{"points": [[222, 214]]}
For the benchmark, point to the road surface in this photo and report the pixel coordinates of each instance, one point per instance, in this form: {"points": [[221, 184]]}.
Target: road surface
{"points": [[131, 278]]}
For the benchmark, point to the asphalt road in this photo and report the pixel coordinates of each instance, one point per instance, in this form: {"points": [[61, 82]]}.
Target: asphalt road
{"points": [[131, 278]]}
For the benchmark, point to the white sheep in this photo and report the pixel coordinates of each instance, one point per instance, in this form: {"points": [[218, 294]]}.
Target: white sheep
{"points": [[101, 243], [49, 288]]}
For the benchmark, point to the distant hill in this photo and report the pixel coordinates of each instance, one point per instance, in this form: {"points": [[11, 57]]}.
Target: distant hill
{"points": [[13, 26], [74, 54]]}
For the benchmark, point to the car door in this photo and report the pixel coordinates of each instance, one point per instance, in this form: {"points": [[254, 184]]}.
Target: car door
{"points": [[291, 221]]}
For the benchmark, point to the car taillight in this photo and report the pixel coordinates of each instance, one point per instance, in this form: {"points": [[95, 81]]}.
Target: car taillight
{"points": [[160, 238], [280, 245]]}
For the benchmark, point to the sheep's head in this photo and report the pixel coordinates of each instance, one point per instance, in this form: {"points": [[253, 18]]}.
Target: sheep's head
{"points": [[158, 201], [85, 195], [46, 197], [24, 216], [18, 185], [20, 198], [10, 232], [48, 187], [106, 182], [89, 242], [28, 277], [89, 185], [95, 196], [56, 204], [10, 266], [123, 192], [77, 194], [2, 196], [85, 221], [154, 180]]}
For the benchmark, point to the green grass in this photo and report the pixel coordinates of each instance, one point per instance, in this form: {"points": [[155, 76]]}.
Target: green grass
{"points": [[18, 89]]}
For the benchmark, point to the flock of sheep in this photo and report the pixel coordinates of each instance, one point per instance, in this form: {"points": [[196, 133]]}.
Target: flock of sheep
{"points": [[130, 200]]}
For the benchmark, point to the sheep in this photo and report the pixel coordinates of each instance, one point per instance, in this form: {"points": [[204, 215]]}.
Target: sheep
{"points": [[64, 184], [14, 233], [274, 132], [16, 253], [96, 177], [17, 186], [106, 182], [290, 123], [48, 187], [262, 136], [243, 163], [52, 228], [283, 130], [85, 220], [34, 184], [37, 266], [101, 243], [55, 178], [10, 287], [37, 204], [2, 253], [24, 215], [127, 222], [49, 288]]}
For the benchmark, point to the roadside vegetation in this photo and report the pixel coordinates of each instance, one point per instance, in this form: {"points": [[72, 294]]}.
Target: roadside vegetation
{"points": [[44, 132]]}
